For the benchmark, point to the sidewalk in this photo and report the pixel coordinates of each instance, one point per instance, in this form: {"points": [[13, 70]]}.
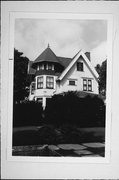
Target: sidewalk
{"points": [[69, 150]]}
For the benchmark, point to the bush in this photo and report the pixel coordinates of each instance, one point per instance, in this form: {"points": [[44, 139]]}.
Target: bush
{"points": [[70, 134], [27, 114], [88, 111], [48, 135]]}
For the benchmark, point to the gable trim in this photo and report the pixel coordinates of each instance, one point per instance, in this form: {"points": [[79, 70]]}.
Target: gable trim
{"points": [[80, 53]]}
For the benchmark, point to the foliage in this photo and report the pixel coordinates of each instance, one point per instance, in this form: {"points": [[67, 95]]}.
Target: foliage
{"points": [[70, 133], [65, 134], [101, 69], [20, 76], [48, 135], [70, 108], [27, 114]]}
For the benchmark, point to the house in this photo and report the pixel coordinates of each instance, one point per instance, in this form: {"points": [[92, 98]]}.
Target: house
{"points": [[52, 74]]}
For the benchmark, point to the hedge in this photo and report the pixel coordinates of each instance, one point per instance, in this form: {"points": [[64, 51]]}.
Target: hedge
{"points": [[88, 111], [27, 114]]}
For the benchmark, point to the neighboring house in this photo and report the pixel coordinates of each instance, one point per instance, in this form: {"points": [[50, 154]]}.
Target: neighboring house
{"points": [[53, 75]]}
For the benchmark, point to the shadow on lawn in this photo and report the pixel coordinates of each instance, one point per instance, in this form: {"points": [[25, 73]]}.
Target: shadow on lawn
{"points": [[48, 134]]}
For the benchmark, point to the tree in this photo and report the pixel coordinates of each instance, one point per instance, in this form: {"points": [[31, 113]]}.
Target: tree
{"points": [[101, 69], [20, 76]]}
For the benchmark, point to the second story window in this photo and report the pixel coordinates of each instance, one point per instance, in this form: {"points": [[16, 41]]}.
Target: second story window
{"points": [[40, 82], [87, 84], [80, 66], [49, 82]]}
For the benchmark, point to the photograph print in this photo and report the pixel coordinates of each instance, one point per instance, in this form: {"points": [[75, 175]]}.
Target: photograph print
{"points": [[59, 87]]}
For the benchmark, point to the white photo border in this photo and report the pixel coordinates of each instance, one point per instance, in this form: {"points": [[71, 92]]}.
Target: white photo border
{"points": [[12, 17]]}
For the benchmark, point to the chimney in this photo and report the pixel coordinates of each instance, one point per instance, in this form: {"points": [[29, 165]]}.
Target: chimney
{"points": [[88, 55]]}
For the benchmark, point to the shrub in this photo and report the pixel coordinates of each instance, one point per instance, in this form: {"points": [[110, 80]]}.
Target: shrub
{"points": [[48, 135], [27, 114], [70, 134], [88, 111], [29, 137]]}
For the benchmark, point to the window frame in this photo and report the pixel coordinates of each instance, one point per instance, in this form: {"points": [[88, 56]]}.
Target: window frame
{"points": [[32, 90], [80, 66], [49, 82], [41, 87], [70, 84], [87, 86], [50, 67], [84, 85]]}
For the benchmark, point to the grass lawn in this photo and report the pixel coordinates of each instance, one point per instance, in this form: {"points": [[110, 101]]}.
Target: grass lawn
{"points": [[34, 135]]}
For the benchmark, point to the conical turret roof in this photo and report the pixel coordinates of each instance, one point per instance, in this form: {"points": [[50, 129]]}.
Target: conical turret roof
{"points": [[47, 55]]}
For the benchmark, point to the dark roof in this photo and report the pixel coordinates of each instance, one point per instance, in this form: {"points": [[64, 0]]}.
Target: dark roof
{"points": [[65, 61], [47, 55]]}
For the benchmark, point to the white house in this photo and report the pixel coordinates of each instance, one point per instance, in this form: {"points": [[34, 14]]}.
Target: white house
{"points": [[53, 75]]}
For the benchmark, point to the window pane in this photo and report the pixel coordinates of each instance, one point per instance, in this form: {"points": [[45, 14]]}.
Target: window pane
{"points": [[84, 82], [89, 85], [89, 88], [89, 82], [85, 88]]}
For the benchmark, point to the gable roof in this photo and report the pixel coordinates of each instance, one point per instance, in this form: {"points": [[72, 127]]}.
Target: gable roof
{"points": [[80, 53], [49, 56]]}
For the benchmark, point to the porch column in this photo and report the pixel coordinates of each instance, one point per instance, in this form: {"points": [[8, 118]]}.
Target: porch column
{"points": [[44, 103]]}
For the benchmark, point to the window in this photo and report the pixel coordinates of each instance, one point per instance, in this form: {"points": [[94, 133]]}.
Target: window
{"points": [[72, 83], [38, 68], [41, 67], [40, 82], [87, 85], [32, 87], [49, 82], [50, 67], [79, 66]]}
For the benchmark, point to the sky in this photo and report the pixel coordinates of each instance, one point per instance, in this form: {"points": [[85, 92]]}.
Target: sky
{"points": [[65, 37]]}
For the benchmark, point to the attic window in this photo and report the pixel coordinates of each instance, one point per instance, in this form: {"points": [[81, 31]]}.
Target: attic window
{"points": [[41, 67], [79, 66], [50, 67]]}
